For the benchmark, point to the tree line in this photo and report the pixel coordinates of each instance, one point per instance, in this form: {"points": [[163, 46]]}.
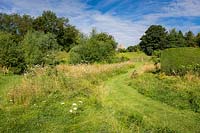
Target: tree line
{"points": [[26, 41], [157, 38]]}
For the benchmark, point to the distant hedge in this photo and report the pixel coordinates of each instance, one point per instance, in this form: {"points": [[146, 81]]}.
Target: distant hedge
{"points": [[180, 60]]}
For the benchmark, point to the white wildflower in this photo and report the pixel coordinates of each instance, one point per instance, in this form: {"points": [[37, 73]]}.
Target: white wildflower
{"points": [[71, 111], [80, 102], [75, 108], [11, 100], [74, 104], [62, 103]]}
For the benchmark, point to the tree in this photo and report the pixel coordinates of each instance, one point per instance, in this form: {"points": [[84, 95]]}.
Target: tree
{"points": [[198, 39], [134, 48], [11, 54], [175, 39], [190, 39], [154, 39], [39, 48], [15, 24], [99, 47], [69, 38], [66, 34]]}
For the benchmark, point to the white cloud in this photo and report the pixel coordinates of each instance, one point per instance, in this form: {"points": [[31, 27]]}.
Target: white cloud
{"points": [[125, 32]]}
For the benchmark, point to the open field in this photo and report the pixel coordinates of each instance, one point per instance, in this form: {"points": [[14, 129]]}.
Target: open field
{"points": [[120, 97]]}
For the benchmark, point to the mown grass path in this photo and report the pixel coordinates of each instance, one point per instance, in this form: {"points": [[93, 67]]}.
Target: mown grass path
{"points": [[121, 96]]}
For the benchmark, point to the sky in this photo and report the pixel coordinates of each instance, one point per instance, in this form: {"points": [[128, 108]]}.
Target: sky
{"points": [[126, 20]]}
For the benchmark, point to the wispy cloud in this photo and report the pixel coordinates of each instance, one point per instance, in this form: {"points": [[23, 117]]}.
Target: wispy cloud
{"points": [[126, 20]]}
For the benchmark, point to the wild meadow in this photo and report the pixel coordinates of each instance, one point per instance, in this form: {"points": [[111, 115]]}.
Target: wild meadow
{"points": [[54, 78]]}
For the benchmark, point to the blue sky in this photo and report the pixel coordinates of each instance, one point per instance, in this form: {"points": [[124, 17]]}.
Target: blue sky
{"points": [[126, 20]]}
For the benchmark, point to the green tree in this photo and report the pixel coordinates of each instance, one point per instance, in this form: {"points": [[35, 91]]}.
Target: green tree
{"points": [[11, 54], [134, 48], [175, 39], [198, 39], [190, 39], [15, 24], [97, 48], [69, 38], [66, 34], [39, 48], [154, 39]]}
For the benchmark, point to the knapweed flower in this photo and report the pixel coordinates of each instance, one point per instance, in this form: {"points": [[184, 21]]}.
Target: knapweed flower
{"points": [[74, 104], [71, 111], [75, 108]]}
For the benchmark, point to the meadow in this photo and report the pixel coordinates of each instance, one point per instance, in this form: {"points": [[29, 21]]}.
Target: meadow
{"points": [[130, 96]]}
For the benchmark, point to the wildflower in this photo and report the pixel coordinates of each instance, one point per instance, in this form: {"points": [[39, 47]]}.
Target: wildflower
{"points": [[75, 108], [80, 102], [71, 111], [11, 100], [62, 103], [74, 104]]}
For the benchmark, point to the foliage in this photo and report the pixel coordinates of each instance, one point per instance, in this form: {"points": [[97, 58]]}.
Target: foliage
{"points": [[39, 48], [11, 54], [154, 39], [198, 39], [190, 39], [134, 48], [180, 60], [48, 22], [66, 34], [15, 24], [181, 93], [100, 47], [175, 39]]}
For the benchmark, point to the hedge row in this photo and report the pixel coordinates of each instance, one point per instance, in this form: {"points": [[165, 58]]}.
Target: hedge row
{"points": [[180, 60]]}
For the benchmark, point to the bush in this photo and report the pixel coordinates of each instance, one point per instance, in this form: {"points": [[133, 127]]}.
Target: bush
{"points": [[98, 48], [180, 60], [11, 54], [39, 48]]}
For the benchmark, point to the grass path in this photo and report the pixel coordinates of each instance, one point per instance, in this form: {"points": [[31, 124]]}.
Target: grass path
{"points": [[121, 96]]}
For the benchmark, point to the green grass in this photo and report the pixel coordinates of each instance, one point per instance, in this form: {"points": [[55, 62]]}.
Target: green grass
{"points": [[112, 101], [179, 60], [7, 82], [152, 114], [179, 92]]}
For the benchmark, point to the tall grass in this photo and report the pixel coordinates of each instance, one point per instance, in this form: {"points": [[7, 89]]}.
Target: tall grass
{"points": [[61, 99], [179, 92]]}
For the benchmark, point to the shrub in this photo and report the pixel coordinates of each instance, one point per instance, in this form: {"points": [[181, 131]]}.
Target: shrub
{"points": [[11, 54], [98, 48], [180, 60], [39, 48]]}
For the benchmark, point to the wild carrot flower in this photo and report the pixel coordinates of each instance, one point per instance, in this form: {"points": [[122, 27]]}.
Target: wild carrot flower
{"points": [[75, 108], [80, 102], [74, 104], [71, 111]]}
